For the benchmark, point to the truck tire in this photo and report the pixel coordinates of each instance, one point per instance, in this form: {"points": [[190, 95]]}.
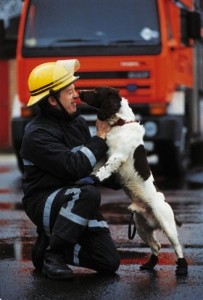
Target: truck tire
{"points": [[172, 162], [197, 153]]}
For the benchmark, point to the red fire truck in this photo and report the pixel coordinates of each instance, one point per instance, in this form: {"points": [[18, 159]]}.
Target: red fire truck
{"points": [[151, 50]]}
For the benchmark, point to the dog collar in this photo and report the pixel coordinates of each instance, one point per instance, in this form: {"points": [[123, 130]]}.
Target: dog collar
{"points": [[122, 122]]}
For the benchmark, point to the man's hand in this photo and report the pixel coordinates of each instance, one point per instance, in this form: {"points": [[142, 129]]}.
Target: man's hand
{"points": [[103, 128], [89, 180]]}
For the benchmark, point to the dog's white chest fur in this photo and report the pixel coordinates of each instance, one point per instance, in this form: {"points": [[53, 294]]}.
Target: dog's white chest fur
{"points": [[122, 142], [124, 139]]}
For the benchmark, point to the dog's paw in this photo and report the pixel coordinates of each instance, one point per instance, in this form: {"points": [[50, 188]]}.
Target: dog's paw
{"points": [[182, 267], [150, 264]]}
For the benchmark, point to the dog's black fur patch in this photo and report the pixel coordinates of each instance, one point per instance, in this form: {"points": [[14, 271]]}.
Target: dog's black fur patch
{"points": [[106, 99], [140, 162]]}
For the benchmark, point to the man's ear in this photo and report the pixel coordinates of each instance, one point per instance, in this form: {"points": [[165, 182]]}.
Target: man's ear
{"points": [[52, 101]]}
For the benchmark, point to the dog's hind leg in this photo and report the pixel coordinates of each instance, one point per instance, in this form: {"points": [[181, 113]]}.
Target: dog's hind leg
{"points": [[166, 219], [147, 234], [182, 266]]}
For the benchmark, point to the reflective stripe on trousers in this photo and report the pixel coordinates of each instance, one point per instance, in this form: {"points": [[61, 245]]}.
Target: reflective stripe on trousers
{"points": [[67, 213]]}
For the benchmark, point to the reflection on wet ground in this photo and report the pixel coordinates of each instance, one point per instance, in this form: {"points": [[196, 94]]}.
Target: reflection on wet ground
{"points": [[18, 235], [19, 250]]}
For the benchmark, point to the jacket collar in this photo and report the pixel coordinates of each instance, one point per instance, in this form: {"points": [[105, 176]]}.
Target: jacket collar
{"points": [[59, 115]]}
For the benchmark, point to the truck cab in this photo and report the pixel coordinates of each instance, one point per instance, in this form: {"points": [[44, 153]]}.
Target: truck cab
{"points": [[150, 50]]}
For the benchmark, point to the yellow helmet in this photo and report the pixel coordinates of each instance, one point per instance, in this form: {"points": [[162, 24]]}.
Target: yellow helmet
{"points": [[51, 76]]}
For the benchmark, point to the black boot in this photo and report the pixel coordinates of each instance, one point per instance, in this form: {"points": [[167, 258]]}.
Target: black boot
{"points": [[38, 250], [55, 267]]}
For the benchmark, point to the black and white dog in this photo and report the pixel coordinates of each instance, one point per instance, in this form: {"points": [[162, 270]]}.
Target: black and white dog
{"points": [[127, 157]]}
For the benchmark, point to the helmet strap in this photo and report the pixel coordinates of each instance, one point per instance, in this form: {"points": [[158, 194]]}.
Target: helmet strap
{"points": [[54, 94]]}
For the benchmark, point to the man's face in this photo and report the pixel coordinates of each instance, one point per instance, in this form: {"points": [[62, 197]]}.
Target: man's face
{"points": [[68, 98]]}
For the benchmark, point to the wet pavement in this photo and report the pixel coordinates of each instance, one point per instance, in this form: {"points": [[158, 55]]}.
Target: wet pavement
{"points": [[19, 280]]}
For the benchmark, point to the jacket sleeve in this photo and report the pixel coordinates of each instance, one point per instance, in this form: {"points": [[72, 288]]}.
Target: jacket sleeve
{"points": [[48, 152], [113, 182]]}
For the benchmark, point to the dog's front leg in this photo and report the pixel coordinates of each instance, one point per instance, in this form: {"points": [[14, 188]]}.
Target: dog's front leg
{"points": [[111, 166]]}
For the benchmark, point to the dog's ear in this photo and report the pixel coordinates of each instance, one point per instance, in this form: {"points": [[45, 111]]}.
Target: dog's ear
{"points": [[110, 106], [105, 99], [106, 91]]}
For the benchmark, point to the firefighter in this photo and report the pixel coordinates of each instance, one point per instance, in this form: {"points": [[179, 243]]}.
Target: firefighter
{"points": [[60, 197]]}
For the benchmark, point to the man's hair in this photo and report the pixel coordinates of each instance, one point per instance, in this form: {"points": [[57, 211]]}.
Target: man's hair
{"points": [[44, 103]]}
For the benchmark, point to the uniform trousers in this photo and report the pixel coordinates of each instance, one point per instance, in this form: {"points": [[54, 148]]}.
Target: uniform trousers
{"points": [[72, 216]]}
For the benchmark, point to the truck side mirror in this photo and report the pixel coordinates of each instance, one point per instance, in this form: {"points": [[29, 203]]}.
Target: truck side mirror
{"points": [[194, 25], [8, 38]]}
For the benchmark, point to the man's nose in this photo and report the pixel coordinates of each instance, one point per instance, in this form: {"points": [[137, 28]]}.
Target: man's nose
{"points": [[76, 94]]}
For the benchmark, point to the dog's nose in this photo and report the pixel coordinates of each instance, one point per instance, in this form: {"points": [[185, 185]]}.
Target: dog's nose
{"points": [[80, 93]]}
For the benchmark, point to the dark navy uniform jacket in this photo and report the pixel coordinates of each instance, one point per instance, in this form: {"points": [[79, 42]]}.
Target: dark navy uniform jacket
{"points": [[57, 150]]}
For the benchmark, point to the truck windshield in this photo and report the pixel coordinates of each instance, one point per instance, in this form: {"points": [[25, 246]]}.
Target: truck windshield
{"points": [[67, 25]]}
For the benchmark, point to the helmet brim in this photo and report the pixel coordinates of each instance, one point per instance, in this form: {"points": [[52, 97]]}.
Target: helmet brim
{"points": [[37, 98]]}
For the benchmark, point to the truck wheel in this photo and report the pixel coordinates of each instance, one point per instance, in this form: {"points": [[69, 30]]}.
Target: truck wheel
{"points": [[172, 162], [197, 153]]}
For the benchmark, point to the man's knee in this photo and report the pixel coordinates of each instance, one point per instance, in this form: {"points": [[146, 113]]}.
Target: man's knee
{"points": [[106, 263], [92, 196], [99, 252], [111, 265]]}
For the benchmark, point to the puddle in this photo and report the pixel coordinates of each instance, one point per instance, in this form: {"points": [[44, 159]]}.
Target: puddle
{"points": [[116, 213], [20, 250], [10, 206], [165, 258]]}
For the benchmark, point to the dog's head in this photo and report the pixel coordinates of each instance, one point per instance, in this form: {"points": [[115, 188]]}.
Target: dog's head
{"points": [[105, 99]]}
